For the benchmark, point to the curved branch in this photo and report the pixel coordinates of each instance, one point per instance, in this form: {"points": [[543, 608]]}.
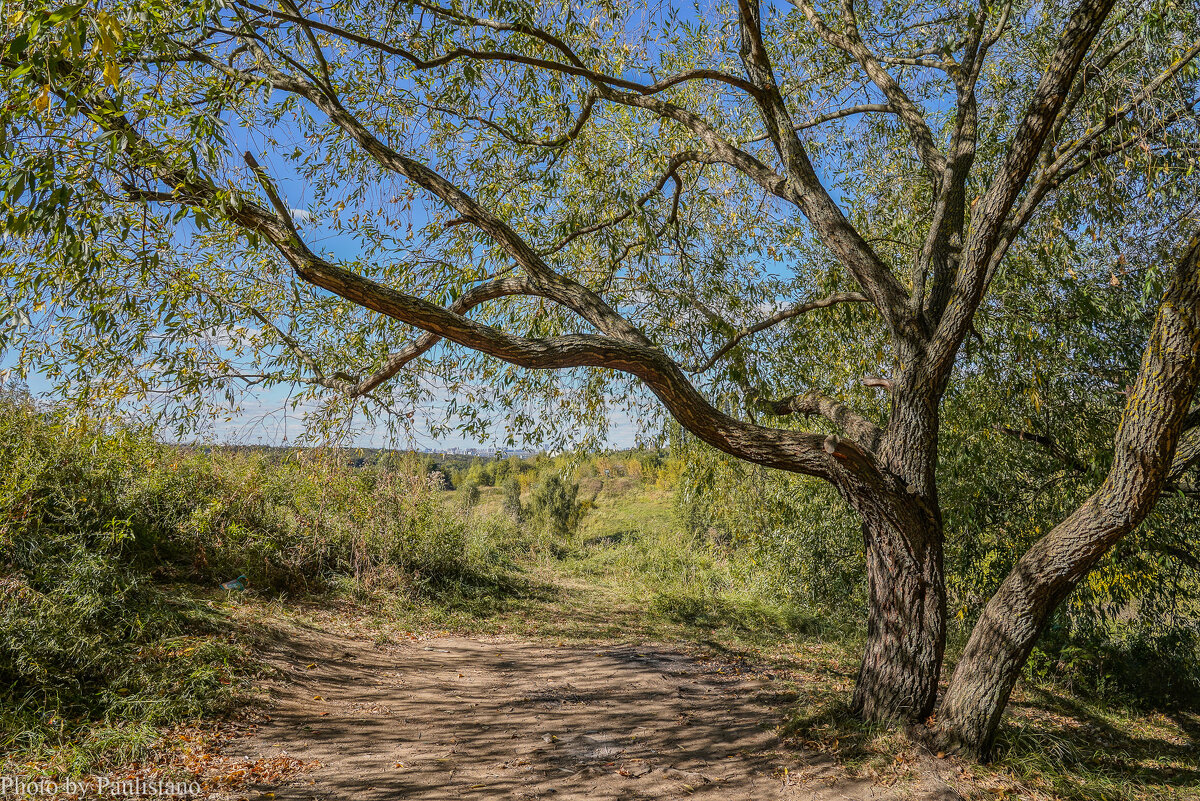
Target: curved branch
{"points": [[798, 452], [673, 165], [841, 463], [560, 141], [821, 119], [862, 430], [501, 287], [576, 66], [778, 317]]}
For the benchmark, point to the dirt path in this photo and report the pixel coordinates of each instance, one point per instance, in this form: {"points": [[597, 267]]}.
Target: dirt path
{"points": [[455, 717]]}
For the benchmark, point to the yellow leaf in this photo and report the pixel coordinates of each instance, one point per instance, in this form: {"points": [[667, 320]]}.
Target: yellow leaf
{"points": [[112, 74], [42, 101]]}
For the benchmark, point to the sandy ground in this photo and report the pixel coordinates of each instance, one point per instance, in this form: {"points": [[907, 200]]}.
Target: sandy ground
{"points": [[483, 718]]}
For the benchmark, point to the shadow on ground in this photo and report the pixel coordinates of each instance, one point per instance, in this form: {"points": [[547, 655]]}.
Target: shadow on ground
{"points": [[490, 717]]}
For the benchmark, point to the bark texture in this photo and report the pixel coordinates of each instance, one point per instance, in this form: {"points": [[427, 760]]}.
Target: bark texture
{"points": [[898, 677], [1144, 448]]}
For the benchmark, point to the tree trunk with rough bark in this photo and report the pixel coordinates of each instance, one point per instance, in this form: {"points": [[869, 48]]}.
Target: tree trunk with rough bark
{"points": [[898, 677], [1144, 448]]}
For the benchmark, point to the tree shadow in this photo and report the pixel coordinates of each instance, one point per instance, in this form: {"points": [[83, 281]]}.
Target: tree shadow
{"points": [[1047, 731]]}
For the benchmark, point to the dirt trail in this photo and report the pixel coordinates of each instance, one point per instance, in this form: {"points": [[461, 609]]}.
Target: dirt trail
{"points": [[481, 717]]}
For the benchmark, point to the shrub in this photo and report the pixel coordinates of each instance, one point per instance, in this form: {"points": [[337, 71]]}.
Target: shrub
{"points": [[511, 488], [96, 520], [554, 505], [84, 632]]}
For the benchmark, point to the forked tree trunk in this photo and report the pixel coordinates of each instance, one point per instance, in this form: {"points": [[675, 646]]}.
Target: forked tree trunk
{"points": [[1143, 450], [898, 677]]}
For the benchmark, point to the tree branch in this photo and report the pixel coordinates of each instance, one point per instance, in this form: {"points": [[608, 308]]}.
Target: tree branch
{"points": [[858, 427], [850, 41], [560, 141], [804, 187], [1048, 443], [821, 119], [1024, 146], [575, 66], [778, 317]]}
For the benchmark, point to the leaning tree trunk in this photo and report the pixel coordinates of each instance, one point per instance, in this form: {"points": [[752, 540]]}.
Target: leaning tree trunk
{"points": [[1143, 450], [906, 622]]}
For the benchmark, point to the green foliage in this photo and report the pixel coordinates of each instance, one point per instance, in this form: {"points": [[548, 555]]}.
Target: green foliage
{"points": [[795, 530], [511, 489], [116, 290], [481, 473], [688, 584], [84, 631], [1130, 632], [1137, 663], [554, 505], [470, 495], [102, 528]]}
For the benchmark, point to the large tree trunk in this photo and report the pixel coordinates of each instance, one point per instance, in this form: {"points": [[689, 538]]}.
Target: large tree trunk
{"points": [[902, 533], [1143, 451], [898, 678]]}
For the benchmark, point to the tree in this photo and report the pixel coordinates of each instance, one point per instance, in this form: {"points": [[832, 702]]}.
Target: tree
{"points": [[498, 176]]}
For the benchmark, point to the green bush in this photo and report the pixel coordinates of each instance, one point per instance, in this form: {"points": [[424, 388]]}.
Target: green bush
{"points": [[511, 489], [84, 632], [554, 505], [470, 495]]}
